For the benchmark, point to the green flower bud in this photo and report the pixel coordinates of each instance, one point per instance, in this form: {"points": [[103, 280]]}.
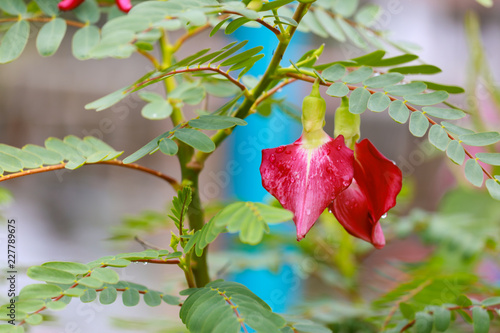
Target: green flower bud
{"points": [[347, 123], [255, 5], [313, 118]]}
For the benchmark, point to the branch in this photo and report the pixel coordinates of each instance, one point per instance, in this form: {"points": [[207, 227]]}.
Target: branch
{"points": [[43, 19], [175, 184], [270, 27], [187, 70], [150, 57], [271, 92], [411, 108], [180, 41]]}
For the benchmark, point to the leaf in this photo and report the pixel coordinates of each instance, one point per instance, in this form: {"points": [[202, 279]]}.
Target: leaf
{"points": [[491, 301], [481, 320], [250, 219], [438, 137], [358, 101], [494, 188], [311, 21], [84, 40], [383, 80], [108, 295], [108, 100], [49, 157], [242, 56], [274, 4], [218, 26], [489, 158], [358, 75], [456, 129], [235, 24], [418, 124], [397, 60], [9, 163], [473, 172], [215, 122], [70, 267], [447, 88], [351, 33], [378, 102], [230, 51], [13, 7], [418, 69], [50, 37], [57, 305], [369, 58], [89, 296], [90, 282], [40, 290], [152, 298], [399, 112], [203, 309], [157, 110], [195, 139], [168, 147], [49, 7], [34, 319], [27, 159], [444, 113], [337, 89], [146, 149], [427, 99], [87, 12], [442, 319], [14, 41], [345, 8], [423, 322], [367, 15], [407, 310], [480, 139], [334, 73], [455, 152], [406, 89], [329, 24], [105, 275], [47, 274], [130, 297]]}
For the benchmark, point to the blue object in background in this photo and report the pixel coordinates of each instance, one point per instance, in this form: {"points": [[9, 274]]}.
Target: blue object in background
{"points": [[280, 288]]}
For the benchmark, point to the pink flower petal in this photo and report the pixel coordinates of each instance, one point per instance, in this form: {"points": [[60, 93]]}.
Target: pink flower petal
{"points": [[378, 178], [306, 180], [69, 4], [377, 182], [124, 5]]}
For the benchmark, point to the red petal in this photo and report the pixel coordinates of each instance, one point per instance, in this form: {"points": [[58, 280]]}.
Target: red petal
{"points": [[124, 5], [69, 4], [351, 210], [378, 178], [305, 180]]}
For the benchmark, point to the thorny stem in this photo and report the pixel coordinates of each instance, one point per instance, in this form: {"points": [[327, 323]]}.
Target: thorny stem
{"points": [[134, 166], [411, 108]]}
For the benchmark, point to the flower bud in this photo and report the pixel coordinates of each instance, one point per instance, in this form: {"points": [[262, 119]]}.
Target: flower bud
{"points": [[347, 123], [255, 5]]}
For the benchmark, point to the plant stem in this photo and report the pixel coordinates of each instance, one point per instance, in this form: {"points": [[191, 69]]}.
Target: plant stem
{"points": [[190, 174]]}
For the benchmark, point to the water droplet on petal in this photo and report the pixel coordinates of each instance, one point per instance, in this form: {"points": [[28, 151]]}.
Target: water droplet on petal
{"points": [[288, 152], [272, 158], [330, 210], [308, 212], [345, 183], [294, 158], [384, 216], [328, 151], [280, 149], [339, 147]]}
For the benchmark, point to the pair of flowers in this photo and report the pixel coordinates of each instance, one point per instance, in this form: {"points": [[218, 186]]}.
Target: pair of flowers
{"points": [[123, 5], [317, 172]]}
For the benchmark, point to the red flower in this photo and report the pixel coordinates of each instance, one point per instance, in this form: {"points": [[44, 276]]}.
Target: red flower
{"points": [[123, 5], [377, 182], [306, 178]]}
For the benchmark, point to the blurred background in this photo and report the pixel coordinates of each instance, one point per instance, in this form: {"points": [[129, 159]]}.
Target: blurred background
{"points": [[67, 215]]}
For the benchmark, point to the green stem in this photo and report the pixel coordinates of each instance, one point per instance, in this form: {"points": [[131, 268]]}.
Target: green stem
{"points": [[267, 78]]}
